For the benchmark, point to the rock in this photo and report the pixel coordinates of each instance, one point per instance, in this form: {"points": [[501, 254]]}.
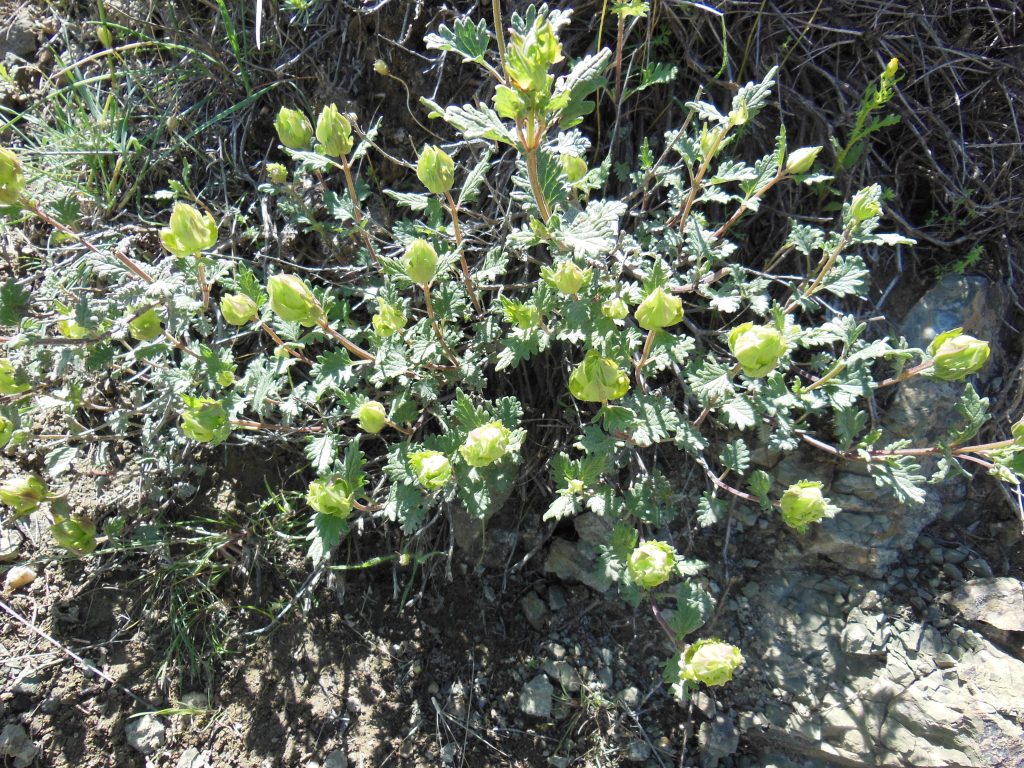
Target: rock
{"points": [[448, 752], [998, 601], [145, 734], [535, 699], [717, 738], [336, 759], [638, 751], [575, 561], [193, 758], [593, 528], [10, 545], [630, 697], [556, 598], [16, 745], [558, 762], [17, 577], [892, 693], [534, 610], [563, 673], [17, 35], [195, 700]]}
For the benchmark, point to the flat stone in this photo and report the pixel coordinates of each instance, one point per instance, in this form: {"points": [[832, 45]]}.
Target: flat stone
{"points": [[565, 674], [717, 738], [16, 745], [17, 35], [534, 610], [574, 561], [997, 601], [145, 734], [10, 545], [336, 759], [535, 699]]}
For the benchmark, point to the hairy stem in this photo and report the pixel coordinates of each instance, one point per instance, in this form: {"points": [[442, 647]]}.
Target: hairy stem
{"points": [[437, 329], [462, 255], [356, 213], [355, 349]]}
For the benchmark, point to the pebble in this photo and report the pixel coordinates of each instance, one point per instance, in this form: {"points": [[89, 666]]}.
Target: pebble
{"points": [[956, 555], [556, 598], [534, 610], [336, 759], [10, 545], [535, 699], [638, 751], [630, 697], [980, 568], [145, 734], [16, 745], [953, 572], [17, 577]]}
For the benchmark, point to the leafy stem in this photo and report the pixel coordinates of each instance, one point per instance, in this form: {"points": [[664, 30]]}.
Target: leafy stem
{"points": [[437, 328], [356, 213], [355, 349]]}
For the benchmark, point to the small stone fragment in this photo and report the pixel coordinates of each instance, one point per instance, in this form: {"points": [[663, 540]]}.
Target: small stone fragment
{"points": [[534, 610], [336, 759], [145, 734], [10, 545], [535, 700], [998, 602], [19, 576], [16, 745]]}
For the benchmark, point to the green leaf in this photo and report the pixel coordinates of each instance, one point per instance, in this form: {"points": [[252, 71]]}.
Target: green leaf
{"points": [[14, 302], [693, 607], [594, 231], [475, 179], [60, 460], [760, 485], [849, 422], [974, 410], [656, 73], [710, 510], [735, 456], [321, 451], [473, 122], [564, 505], [326, 533], [846, 278], [467, 39], [583, 79]]}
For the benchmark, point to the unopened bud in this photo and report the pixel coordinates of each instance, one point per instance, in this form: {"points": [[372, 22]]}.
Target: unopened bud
{"points": [[709, 661], [330, 497], [801, 160], [598, 379], [190, 232], [205, 420], [334, 132], [293, 301], [757, 348], [420, 262], [803, 503], [485, 445], [659, 310], [293, 128], [23, 494], [432, 469], [12, 180], [238, 309], [389, 320], [567, 277], [651, 564], [436, 170], [146, 326], [955, 355], [10, 384], [372, 417]]}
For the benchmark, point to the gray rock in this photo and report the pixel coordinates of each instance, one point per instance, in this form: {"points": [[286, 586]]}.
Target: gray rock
{"points": [[630, 697], [336, 759], [593, 528], [717, 738], [193, 758], [145, 734], [448, 752], [565, 674], [892, 693], [16, 745], [556, 598], [638, 751], [534, 610], [575, 561], [535, 699], [10, 545], [998, 601], [17, 36]]}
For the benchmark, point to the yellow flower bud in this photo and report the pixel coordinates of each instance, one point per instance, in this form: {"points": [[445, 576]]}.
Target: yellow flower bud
{"points": [[205, 420], [1017, 430], [757, 348], [69, 328], [146, 326], [710, 661], [238, 309], [293, 301], [105, 36], [801, 160], [955, 355], [659, 310], [23, 494], [225, 378], [372, 416], [277, 173], [575, 167], [651, 564], [6, 431], [436, 170], [420, 261], [615, 308], [802, 504], [485, 445], [190, 232], [77, 535], [389, 320], [381, 68], [598, 379], [12, 180], [566, 278], [432, 469], [293, 128], [9, 380], [330, 497], [334, 132], [867, 203]]}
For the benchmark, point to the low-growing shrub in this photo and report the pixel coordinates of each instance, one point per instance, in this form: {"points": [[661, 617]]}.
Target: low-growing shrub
{"points": [[664, 351]]}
